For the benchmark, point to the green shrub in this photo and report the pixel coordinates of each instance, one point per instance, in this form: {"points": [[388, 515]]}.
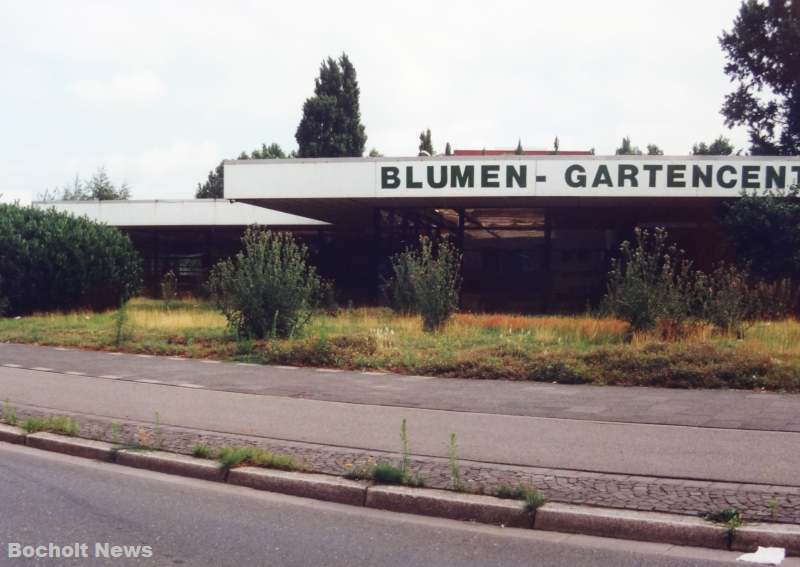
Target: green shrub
{"points": [[54, 261], [201, 450], [649, 282], [426, 281], [398, 290], [533, 498], [230, 457], [169, 288], [56, 423], [387, 473], [267, 289]]}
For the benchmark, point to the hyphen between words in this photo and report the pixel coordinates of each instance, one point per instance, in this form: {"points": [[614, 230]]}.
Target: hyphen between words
{"points": [[670, 175]]}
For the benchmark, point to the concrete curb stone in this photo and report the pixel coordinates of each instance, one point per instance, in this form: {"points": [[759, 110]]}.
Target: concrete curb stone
{"points": [[453, 505], [321, 487], [171, 463], [750, 536], [74, 446], [630, 524], [11, 434]]}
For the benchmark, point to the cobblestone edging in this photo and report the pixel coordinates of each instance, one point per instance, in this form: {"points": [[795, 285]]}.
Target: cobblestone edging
{"points": [[690, 497]]}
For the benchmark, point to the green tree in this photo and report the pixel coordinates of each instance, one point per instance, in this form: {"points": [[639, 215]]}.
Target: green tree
{"points": [[448, 151], [519, 151], [765, 233], [654, 150], [719, 147], [214, 186], [99, 188], [331, 123], [375, 153], [425, 142], [628, 149], [763, 59]]}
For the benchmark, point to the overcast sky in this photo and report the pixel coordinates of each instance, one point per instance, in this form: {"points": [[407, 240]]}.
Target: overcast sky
{"points": [[160, 92]]}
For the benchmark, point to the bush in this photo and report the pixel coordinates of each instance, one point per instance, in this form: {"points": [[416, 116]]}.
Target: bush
{"points": [[54, 261], [169, 288], [427, 281], [267, 289], [650, 282]]}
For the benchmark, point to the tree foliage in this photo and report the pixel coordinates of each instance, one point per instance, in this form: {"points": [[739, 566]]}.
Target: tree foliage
{"points": [[426, 143], [764, 230], [331, 123], [720, 147], [448, 150], [98, 187], [654, 150], [426, 280], [763, 60], [214, 186], [269, 288], [628, 149], [54, 261]]}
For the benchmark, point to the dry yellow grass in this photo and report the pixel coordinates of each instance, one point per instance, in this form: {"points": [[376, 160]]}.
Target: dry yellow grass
{"points": [[176, 320], [546, 328]]}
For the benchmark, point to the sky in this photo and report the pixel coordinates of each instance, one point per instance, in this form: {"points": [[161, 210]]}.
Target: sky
{"points": [[159, 92]]}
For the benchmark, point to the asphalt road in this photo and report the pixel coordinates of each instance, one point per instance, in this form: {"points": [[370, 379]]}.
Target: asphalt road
{"points": [[763, 457], [54, 498], [734, 409]]}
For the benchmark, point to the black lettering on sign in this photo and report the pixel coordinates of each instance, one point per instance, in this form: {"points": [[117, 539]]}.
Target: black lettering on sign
{"points": [[489, 175], [410, 183], [575, 176], [442, 177], [699, 174], [776, 177], [750, 176], [675, 173], [602, 177], [652, 170], [521, 176], [628, 172], [722, 181], [796, 171], [462, 177], [390, 178]]}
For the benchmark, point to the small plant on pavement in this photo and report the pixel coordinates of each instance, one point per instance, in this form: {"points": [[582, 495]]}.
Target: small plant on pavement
{"points": [[533, 498], [56, 424], [157, 431], [9, 414], [404, 440], [230, 457], [120, 318], [455, 472], [201, 450], [728, 517], [116, 430], [773, 508]]}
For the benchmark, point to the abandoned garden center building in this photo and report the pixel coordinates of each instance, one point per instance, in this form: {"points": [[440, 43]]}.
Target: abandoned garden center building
{"points": [[537, 231]]}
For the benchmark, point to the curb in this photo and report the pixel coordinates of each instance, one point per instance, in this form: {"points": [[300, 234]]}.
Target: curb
{"points": [[631, 524], [750, 536], [452, 505], [616, 523], [171, 463], [11, 434], [74, 446], [320, 487]]}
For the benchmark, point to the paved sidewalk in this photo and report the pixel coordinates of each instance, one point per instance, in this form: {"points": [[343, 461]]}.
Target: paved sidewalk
{"points": [[735, 409]]}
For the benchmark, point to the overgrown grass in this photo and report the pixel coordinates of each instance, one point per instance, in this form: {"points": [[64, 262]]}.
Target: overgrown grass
{"points": [[230, 457], [53, 423], [532, 498], [568, 349]]}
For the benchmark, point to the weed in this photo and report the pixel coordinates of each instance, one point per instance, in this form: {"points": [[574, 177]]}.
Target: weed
{"points": [[116, 430], [452, 456], [230, 457], [404, 440], [773, 508], [56, 423], [157, 431], [728, 517], [169, 289], [533, 498], [387, 473], [202, 451], [120, 319], [9, 414]]}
